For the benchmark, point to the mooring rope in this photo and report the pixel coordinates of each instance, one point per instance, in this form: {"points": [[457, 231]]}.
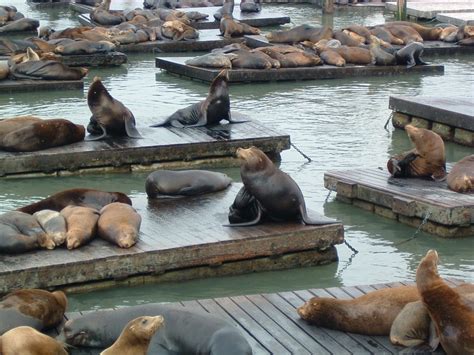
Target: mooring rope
{"points": [[329, 194], [349, 262], [423, 222], [386, 123], [303, 154], [354, 250]]}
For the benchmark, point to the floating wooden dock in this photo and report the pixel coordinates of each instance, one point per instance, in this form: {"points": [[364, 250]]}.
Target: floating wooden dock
{"points": [[449, 214], [271, 325], [175, 65], [91, 60], [39, 85], [429, 10], [457, 18], [48, 4], [161, 147], [181, 238], [451, 118]]}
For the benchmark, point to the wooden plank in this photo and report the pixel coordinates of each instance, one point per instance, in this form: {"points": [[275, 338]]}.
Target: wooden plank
{"points": [[457, 18], [424, 10], [21, 85], [90, 60]]}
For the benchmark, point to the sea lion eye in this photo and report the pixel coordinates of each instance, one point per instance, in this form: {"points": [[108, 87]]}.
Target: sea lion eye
{"points": [[145, 321]]}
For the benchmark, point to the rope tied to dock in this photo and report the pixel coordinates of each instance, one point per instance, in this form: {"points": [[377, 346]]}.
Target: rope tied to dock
{"points": [[354, 250], [303, 154], [423, 222], [386, 123], [329, 194]]}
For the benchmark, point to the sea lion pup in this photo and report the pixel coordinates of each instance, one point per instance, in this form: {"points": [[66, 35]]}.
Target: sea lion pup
{"points": [[119, 224], [81, 225], [226, 9], [461, 176], [452, 314], [233, 28], [410, 55], [427, 159], [279, 196], [185, 183], [370, 314], [32, 307], [135, 337], [28, 341], [250, 6], [76, 197], [109, 116], [46, 70], [54, 225]]}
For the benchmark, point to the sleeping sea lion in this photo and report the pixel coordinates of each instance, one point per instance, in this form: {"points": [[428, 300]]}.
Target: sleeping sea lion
{"points": [[177, 31], [250, 6], [362, 31], [20, 232], [212, 60], [300, 33], [32, 307], [370, 314], [278, 195], [345, 39], [81, 225], [410, 55], [331, 57], [109, 116], [136, 336], [427, 159], [385, 35], [46, 70], [290, 58], [22, 24], [427, 33], [119, 224], [461, 176], [76, 197], [245, 59], [85, 47], [54, 225], [452, 314], [28, 341], [355, 55], [405, 33]]}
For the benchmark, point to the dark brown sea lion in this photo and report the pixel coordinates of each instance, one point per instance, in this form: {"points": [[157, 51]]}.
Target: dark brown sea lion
{"points": [[355, 55], [28, 341], [23, 24], [39, 135], [233, 28], [109, 116], [278, 195], [451, 313], [46, 70], [226, 9], [427, 159], [20, 232], [107, 17], [32, 307], [291, 57], [212, 60], [427, 33], [81, 225], [300, 33], [410, 55], [119, 223], [136, 336], [370, 314], [76, 197], [4, 69], [250, 6], [385, 35], [461, 176], [85, 47], [54, 225]]}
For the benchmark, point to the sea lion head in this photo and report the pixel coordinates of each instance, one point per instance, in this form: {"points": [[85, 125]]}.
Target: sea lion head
{"points": [[128, 237], [61, 299], [83, 72], [312, 310], [120, 197], [97, 94], [44, 32], [78, 332], [73, 241], [468, 31], [46, 241], [253, 159], [219, 84], [428, 267], [145, 327]]}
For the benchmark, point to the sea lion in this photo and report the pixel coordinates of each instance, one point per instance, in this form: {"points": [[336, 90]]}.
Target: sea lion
{"points": [[331, 57], [461, 176], [85, 47], [135, 337], [46, 70], [361, 31], [212, 60], [385, 35], [250, 6], [355, 55], [20, 232], [381, 57], [32, 307], [22, 24], [345, 39], [210, 111], [28, 341], [410, 55], [427, 159], [288, 58], [54, 225], [300, 33], [177, 31], [370, 314], [279, 196], [39, 135], [107, 18], [81, 225], [405, 33], [448, 34], [119, 224], [452, 314], [184, 332], [76, 197], [245, 59], [427, 33], [4, 69], [233, 28], [226, 9], [109, 116], [185, 182]]}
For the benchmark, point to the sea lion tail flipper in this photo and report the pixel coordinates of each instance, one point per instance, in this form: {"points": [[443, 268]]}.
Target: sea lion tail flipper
{"points": [[317, 221], [130, 127], [254, 222], [433, 337], [96, 138]]}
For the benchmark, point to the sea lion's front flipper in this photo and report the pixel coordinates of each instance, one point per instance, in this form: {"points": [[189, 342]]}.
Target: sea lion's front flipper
{"points": [[130, 127], [254, 222], [194, 190], [96, 138], [433, 338], [402, 167], [315, 221]]}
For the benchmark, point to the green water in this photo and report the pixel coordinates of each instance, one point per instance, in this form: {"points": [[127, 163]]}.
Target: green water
{"points": [[338, 123]]}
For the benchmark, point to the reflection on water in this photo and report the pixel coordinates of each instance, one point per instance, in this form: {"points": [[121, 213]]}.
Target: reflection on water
{"points": [[338, 123]]}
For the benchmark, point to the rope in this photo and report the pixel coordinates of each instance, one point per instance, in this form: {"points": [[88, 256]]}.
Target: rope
{"points": [[303, 154], [386, 123], [329, 194], [423, 222], [354, 250]]}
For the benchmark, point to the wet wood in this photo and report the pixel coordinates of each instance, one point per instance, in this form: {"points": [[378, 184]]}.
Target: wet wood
{"points": [[90, 60], [451, 214], [429, 10], [48, 4], [175, 65], [457, 18], [22, 85]]}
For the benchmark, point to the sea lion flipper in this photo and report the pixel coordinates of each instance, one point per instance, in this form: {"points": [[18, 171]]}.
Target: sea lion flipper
{"points": [[315, 221], [91, 137], [130, 127], [433, 338], [254, 222]]}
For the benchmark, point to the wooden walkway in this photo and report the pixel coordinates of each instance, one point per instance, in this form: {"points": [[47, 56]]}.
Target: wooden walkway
{"points": [[457, 18], [429, 10], [90, 60], [451, 118], [7, 86], [181, 238], [271, 325], [175, 65], [450, 214]]}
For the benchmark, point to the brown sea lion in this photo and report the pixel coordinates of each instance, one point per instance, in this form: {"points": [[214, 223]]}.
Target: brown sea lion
{"points": [[85, 47], [427, 33], [361, 31], [405, 33], [355, 55], [226, 9], [251, 60], [33, 307], [109, 116], [28, 341], [76, 197], [23, 24], [46, 70], [212, 60], [119, 224], [177, 31], [385, 35], [461, 176], [448, 34], [331, 57], [233, 28], [250, 6], [427, 159], [81, 225], [54, 225], [300, 33], [355, 36], [452, 314], [136, 336], [4, 69], [290, 57], [370, 314], [345, 39]]}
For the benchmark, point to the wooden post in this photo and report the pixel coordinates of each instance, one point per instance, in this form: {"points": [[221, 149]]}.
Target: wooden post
{"points": [[401, 13], [328, 6]]}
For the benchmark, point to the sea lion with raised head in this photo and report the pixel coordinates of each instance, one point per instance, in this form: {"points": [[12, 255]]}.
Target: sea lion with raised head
{"points": [[452, 314], [226, 9], [427, 159], [410, 55], [461, 176], [28, 341], [278, 195], [32, 307], [109, 116], [20, 232], [119, 224], [81, 225], [136, 336], [54, 225]]}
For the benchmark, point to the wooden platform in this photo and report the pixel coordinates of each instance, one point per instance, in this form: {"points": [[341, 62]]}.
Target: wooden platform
{"points": [[91, 60], [48, 4], [429, 10], [457, 18], [406, 200], [39, 85], [451, 118], [180, 238], [160, 147], [175, 65], [271, 325]]}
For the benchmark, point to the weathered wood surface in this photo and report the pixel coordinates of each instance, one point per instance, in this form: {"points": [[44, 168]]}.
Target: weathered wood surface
{"points": [[271, 325], [451, 214], [91, 60], [175, 65], [429, 10], [159, 145], [457, 18], [48, 4], [39, 85], [175, 234]]}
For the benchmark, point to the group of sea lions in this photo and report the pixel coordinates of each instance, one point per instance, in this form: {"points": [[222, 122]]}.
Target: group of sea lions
{"points": [[13, 21], [406, 313]]}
